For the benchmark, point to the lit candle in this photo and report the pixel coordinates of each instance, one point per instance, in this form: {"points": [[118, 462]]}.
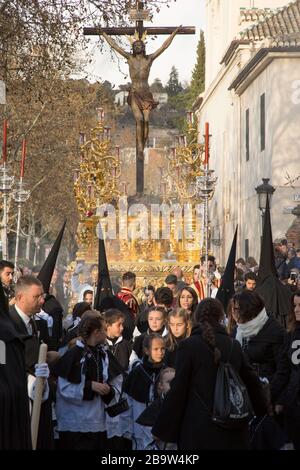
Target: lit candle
{"points": [[190, 117], [100, 114], [107, 133], [183, 140], [89, 190], [76, 176], [124, 188], [173, 152], [118, 152], [23, 158], [206, 161], [4, 148], [81, 138]]}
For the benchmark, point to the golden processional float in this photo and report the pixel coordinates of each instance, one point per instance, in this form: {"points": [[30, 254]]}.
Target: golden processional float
{"points": [[148, 234]]}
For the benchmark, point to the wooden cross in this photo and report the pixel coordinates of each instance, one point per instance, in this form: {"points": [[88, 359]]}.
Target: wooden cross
{"points": [[139, 15]]}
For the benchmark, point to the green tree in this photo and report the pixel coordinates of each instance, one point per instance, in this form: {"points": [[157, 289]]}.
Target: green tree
{"points": [[198, 75], [53, 153], [174, 86]]}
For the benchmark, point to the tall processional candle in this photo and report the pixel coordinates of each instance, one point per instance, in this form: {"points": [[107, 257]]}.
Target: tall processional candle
{"points": [[173, 149], [206, 161], [190, 118], [118, 152], [81, 138], [76, 175], [107, 133], [4, 146], [100, 112], [23, 158]]}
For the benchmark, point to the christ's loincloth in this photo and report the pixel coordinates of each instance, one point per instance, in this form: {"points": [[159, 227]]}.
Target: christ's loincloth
{"points": [[144, 100]]}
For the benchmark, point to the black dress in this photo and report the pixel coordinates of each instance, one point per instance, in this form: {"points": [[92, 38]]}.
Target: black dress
{"points": [[183, 419]]}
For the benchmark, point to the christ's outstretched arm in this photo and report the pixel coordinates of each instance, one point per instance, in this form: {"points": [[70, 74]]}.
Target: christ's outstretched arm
{"points": [[115, 46], [165, 45]]}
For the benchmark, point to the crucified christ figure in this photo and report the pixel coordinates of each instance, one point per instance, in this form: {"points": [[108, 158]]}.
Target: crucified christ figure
{"points": [[140, 98]]}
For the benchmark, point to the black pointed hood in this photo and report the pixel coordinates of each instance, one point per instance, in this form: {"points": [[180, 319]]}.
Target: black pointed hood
{"points": [[105, 298], [226, 290], [267, 260], [46, 272], [104, 288], [277, 297]]}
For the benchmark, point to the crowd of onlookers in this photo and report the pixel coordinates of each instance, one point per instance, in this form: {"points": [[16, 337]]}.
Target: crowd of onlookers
{"points": [[152, 386], [75, 285]]}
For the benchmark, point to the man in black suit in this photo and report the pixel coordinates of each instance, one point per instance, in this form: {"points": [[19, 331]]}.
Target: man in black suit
{"points": [[29, 300], [29, 295]]}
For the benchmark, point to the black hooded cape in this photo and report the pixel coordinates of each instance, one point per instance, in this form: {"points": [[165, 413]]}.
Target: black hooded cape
{"points": [[226, 290], [46, 272], [277, 297], [105, 299]]}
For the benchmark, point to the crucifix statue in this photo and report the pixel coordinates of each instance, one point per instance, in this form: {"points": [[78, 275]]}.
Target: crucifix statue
{"points": [[140, 98]]}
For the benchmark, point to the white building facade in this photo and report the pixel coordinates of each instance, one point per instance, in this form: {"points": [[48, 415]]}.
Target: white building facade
{"points": [[252, 102]]}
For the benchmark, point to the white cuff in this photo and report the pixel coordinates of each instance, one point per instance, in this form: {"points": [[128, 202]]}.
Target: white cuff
{"points": [[31, 383]]}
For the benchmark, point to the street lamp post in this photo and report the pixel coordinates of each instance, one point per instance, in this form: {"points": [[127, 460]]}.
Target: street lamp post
{"points": [[20, 195], [6, 183], [205, 186], [264, 192]]}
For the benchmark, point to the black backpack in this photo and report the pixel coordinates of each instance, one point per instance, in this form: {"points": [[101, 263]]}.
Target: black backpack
{"points": [[232, 407]]}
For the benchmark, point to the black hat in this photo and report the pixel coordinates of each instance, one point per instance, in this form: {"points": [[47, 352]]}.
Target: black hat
{"points": [[226, 290], [276, 296], [46, 272], [105, 298]]}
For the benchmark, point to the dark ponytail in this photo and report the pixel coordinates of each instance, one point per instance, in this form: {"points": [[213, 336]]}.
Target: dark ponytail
{"points": [[208, 315]]}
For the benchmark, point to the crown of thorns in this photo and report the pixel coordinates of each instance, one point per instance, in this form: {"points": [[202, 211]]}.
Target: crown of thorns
{"points": [[136, 37]]}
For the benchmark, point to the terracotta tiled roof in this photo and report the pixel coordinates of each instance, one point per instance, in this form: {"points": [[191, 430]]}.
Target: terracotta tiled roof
{"points": [[255, 14], [281, 26]]}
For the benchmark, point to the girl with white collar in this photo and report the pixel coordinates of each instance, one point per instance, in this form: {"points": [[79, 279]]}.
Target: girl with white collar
{"points": [[83, 389]]}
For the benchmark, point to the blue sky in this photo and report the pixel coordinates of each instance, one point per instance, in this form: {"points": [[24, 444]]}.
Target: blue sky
{"points": [[181, 53]]}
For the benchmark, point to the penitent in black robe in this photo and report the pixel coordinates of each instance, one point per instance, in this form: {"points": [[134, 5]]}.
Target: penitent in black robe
{"points": [[14, 407]]}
